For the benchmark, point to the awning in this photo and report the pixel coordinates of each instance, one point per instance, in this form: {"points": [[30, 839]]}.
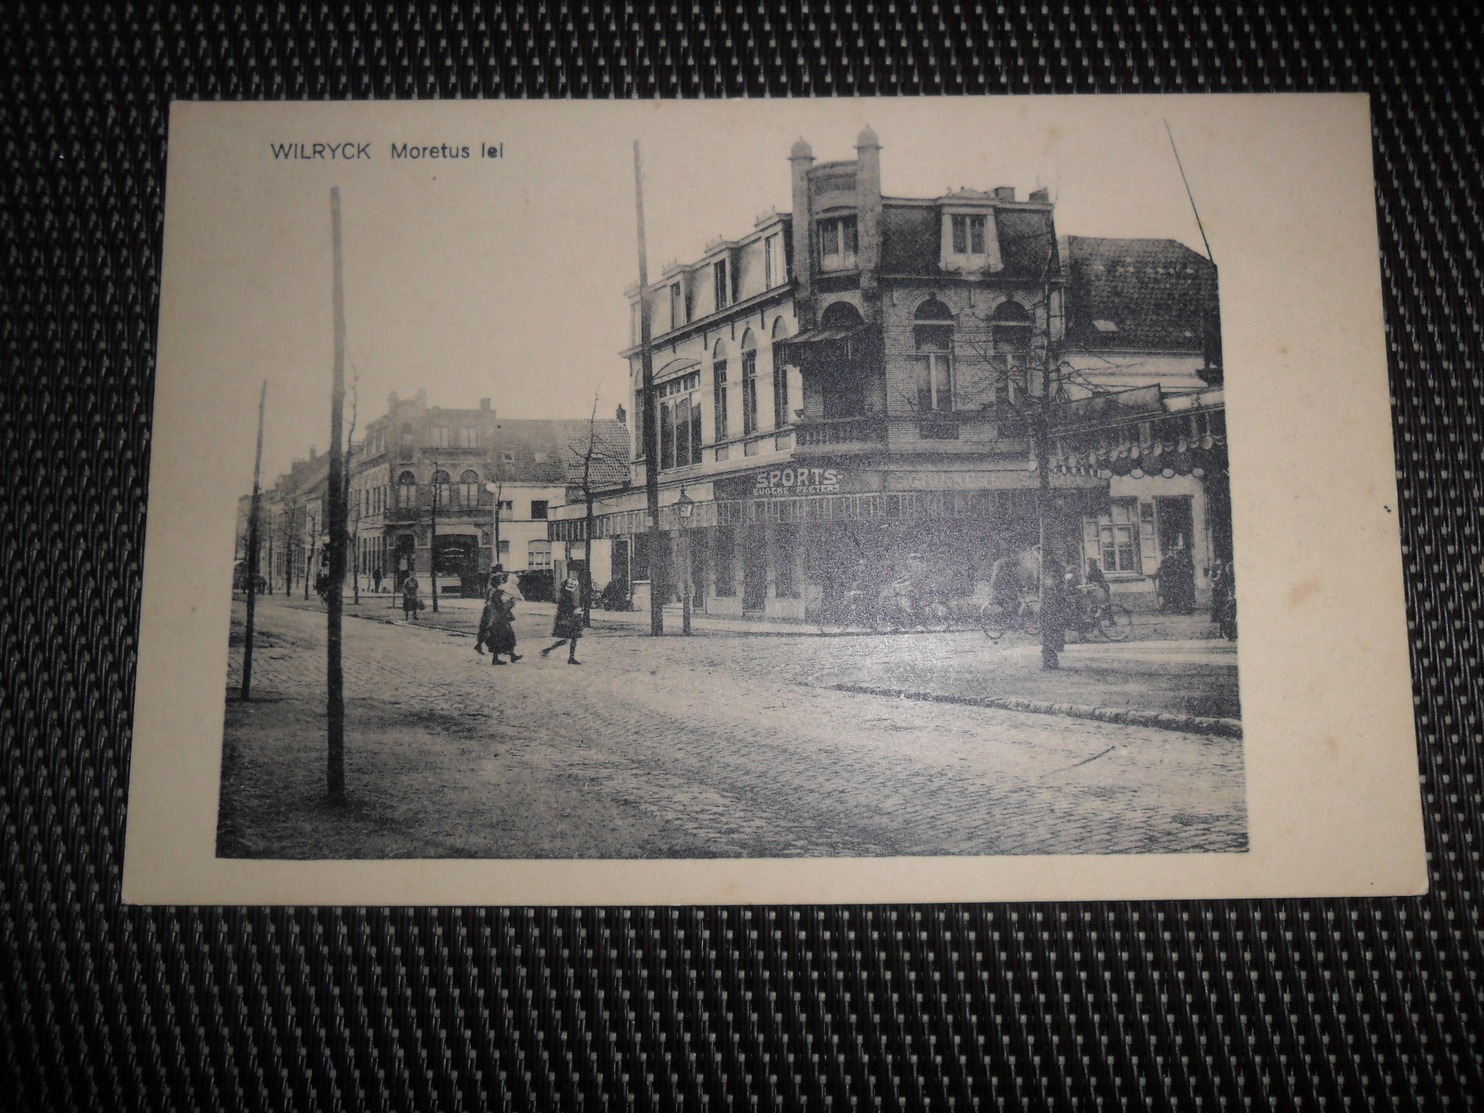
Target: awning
{"points": [[792, 348]]}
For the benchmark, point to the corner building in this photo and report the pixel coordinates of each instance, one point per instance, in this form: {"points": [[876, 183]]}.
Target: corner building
{"points": [[845, 394]]}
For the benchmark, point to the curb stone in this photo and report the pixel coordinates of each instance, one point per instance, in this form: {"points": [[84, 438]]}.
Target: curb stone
{"points": [[1147, 719]]}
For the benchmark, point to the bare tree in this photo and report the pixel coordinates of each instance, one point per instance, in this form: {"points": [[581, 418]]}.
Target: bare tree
{"points": [[590, 453]]}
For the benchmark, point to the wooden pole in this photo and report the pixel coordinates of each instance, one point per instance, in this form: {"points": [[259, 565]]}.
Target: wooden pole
{"points": [[433, 539], [657, 564], [334, 668], [252, 550]]}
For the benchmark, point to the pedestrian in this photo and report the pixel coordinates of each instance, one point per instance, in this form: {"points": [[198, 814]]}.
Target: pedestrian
{"points": [[487, 615], [411, 603], [1175, 580], [500, 639], [376, 577], [568, 625]]}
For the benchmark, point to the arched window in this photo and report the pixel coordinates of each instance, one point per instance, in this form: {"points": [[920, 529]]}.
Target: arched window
{"points": [[842, 314], [932, 335], [440, 488], [469, 489], [780, 378], [1010, 334], [749, 382], [406, 489], [719, 390]]}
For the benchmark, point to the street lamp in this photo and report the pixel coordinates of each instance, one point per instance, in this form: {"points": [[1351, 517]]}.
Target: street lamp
{"points": [[684, 505]]}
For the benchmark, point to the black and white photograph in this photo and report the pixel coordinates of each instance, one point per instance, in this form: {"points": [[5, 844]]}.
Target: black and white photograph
{"points": [[844, 485]]}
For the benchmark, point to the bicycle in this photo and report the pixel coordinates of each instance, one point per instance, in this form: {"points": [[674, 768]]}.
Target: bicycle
{"points": [[1108, 620], [997, 619]]}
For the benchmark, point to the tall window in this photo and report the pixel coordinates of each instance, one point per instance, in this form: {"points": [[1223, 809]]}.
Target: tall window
{"points": [[469, 488], [780, 378], [469, 437], [440, 488], [838, 244], [442, 436], [933, 338], [968, 234], [677, 306], [723, 288], [407, 436], [773, 271], [719, 391], [680, 420], [406, 489], [1010, 335], [749, 382]]}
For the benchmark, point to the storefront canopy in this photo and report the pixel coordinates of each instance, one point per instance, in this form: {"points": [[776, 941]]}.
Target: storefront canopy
{"points": [[823, 337]]}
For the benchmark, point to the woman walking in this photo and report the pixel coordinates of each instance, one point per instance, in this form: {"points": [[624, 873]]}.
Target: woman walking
{"points": [[568, 625], [500, 636]]}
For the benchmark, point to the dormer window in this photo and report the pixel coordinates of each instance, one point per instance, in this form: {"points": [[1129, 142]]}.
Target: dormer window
{"points": [[838, 244], [723, 287], [677, 306], [968, 234]]}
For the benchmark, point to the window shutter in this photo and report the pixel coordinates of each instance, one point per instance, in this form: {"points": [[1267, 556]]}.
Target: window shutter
{"points": [[1148, 549], [1090, 547]]}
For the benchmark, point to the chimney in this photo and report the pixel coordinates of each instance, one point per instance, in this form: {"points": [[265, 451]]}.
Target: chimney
{"points": [[868, 208], [1004, 193], [422, 397], [313, 452], [391, 399], [1040, 195], [621, 415], [484, 403], [801, 158]]}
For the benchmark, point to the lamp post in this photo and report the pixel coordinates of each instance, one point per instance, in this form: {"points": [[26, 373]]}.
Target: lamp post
{"points": [[684, 505], [433, 539]]}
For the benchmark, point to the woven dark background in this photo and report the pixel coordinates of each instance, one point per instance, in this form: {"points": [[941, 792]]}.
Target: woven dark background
{"points": [[1345, 1003]]}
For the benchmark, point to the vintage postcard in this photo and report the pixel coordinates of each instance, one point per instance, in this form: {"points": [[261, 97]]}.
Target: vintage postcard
{"points": [[772, 501]]}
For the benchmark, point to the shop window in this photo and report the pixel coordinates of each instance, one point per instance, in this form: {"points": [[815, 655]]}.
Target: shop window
{"points": [[838, 244], [469, 488], [725, 551], [1114, 538], [932, 336], [749, 383]]}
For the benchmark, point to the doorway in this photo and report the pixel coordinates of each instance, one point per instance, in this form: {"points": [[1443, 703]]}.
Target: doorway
{"points": [[754, 570]]}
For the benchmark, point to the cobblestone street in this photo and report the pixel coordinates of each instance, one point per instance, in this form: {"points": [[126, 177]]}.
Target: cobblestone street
{"points": [[728, 746]]}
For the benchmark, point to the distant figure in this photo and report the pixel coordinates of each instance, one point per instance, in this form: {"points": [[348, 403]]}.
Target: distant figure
{"points": [[1097, 582], [411, 603], [568, 625], [1175, 579], [376, 578]]}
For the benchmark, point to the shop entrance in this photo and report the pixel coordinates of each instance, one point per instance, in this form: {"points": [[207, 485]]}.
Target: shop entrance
{"points": [[754, 570], [1173, 515]]}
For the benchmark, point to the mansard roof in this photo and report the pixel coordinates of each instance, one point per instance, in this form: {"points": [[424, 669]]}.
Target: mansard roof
{"points": [[1138, 293]]}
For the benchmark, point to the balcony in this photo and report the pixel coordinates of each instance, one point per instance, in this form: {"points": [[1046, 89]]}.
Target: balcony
{"points": [[867, 432]]}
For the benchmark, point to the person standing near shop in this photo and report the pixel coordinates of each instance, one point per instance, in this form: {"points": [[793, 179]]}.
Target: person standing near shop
{"points": [[411, 603]]}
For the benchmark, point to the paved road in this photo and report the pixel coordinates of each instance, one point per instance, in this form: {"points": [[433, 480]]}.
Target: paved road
{"points": [[723, 747]]}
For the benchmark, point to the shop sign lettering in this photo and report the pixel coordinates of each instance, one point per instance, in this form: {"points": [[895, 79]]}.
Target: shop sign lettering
{"points": [[796, 480]]}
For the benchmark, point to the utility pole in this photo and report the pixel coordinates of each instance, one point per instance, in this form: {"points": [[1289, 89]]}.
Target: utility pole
{"points": [[252, 550], [657, 564], [433, 539], [334, 668], [1051, 610]]}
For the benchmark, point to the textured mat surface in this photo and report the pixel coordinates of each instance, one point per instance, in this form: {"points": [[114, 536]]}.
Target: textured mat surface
{"points": [[1231, 1005]]}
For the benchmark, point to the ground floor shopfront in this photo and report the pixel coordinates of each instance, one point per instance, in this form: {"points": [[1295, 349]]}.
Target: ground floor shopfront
{"points": [[795, 543]]}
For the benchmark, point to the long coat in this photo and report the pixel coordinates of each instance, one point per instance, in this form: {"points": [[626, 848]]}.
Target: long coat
{"points": [[499, 631], [568, 623]]}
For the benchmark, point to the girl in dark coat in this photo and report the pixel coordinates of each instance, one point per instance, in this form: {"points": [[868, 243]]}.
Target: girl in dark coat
{"points": [[501, 635], [568, 625]]}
